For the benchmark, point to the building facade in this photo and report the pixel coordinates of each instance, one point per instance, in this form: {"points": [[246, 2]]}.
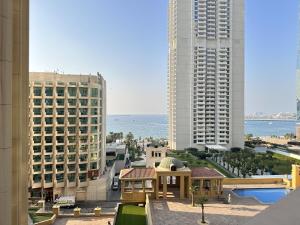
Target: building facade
{"points": [[67, 123], [206, 73]]}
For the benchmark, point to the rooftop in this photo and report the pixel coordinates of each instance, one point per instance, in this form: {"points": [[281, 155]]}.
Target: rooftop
{"points": [[138, 173], [206, 172]]}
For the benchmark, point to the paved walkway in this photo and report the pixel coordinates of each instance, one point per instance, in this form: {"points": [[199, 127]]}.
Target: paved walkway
{"points": [[177, 212], [84, 221]]}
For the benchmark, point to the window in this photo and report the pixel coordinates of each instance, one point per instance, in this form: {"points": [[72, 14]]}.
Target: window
{"points": [[48, 158], [71, 167], [72, 148], [71, 177], [37, 102], [60, 148], [82, 177], [94, 92], [83, 167], [37, 149], [37, 120], [60, 102], [94, 102], [60, 91], [72, 102], [83, 148], [83, 102], [37, 111], [37, 178], [93, 166], [72, 120], [49, 101], [94, 129], [60, 158], [48, 139], [49, 91], [72, 111], [83, 120], [71, 158], [72, 130], [60, 120], [48, 168], [60, 139], [94, 156], [83, 111], [83, 130], [49, 120], [94, 120], [37, 139], [49, 111], [94, 111], [48, 130], [48, 149], [83, 91], [72, 91], [48, 178], [83, 139], [60, 111], [36, 158], [37, 91], [60, 178], [72, 139]]}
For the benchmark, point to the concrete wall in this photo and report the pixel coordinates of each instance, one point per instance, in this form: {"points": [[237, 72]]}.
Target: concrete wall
{"points": [[233, 181]]}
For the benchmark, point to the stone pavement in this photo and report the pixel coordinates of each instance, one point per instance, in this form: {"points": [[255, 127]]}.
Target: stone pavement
{"points": [[84, 221], [178, 212]]}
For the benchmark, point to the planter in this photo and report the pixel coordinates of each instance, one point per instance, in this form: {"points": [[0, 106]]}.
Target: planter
{"points": [[77, 212], [56, 209], [97, 211]]}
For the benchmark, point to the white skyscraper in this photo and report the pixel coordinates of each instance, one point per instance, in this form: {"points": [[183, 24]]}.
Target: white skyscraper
{"points": [[206, 73]]}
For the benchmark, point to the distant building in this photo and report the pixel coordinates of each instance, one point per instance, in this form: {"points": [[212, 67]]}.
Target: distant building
{"points": [[154, 156], [67, 127], [206, 73]]}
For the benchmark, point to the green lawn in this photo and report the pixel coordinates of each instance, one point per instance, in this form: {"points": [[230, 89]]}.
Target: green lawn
{"points": [[193, 161], [130, 214], [37, 218], [283, 164]]}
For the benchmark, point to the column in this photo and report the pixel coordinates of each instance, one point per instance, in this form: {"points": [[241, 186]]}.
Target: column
{"points": [[165, 187], [14, 43], [157, 187], [182, 188]]}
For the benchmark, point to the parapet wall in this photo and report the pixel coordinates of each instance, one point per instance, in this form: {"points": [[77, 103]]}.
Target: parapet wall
{"points": [[233, 181]]}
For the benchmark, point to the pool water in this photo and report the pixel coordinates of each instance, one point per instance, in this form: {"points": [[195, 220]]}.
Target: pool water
{"points": [[263, 195]]}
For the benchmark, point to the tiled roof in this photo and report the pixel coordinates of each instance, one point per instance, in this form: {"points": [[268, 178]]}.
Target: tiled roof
{"points": [[205, 172], [139, 173]]}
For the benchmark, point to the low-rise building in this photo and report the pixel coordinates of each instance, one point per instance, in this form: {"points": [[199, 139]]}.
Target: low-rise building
{"points": [[171, 179], [155, 155]]}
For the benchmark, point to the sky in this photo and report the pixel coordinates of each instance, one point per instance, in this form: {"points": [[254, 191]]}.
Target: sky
{"points": [[126, 41]]}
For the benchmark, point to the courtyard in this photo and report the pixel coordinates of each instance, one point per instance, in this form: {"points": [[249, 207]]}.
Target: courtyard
{"points": [[169, 212]]}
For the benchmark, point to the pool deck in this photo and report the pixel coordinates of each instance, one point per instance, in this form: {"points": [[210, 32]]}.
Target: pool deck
{"points": [[244, 186]]}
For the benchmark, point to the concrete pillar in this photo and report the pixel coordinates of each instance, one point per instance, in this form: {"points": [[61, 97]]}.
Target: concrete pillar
{"points": [[182, 187], [14, 55], [157, 182], [165, 189]]}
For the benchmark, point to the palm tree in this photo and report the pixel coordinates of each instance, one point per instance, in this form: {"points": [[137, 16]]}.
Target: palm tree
{"points": [[201, 201], [193, 190]]}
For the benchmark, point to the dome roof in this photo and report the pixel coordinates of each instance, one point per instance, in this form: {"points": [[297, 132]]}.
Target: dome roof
{"points": [[169, 162]]}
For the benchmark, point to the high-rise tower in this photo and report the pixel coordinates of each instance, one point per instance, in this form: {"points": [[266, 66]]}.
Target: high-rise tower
{"points": [[206, 73]]}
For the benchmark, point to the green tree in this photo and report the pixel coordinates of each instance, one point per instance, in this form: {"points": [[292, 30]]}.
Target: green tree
{"points": [[201, 201], [193, 190]]}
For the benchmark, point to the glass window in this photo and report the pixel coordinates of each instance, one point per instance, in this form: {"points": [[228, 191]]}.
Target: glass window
{"points": [[49, 111], [36, 130], [84, 148], [37, 178], [37, 120], [94, 156], [72, 111], [72, 130], [48, 148], [94, 111], [71, 167], [36, 168], [94, 138], [60, 148], [72, 148], [37, 111], [48, 178], [83, 102], [60, 139], [94, 120], [72, 91], [60, 130], [37, 101], [49, 120], [71, 177], [83, 111], [37, 139], [48, 130], [49, 91], [37, 158], [84, 120], [93, 166], [37, 91], [82, 177], [72, 120], [60, 102], [83, 130], [48, 158], [94, 92], [60, 91], [94, 102], [72, 139], [71, 158], [83, 167], [49, 101], [94, 129], [36, 149], [48, 139], [60, 111], [60, 178], [60, 158], [72, 102], [48, 168], [72, 83], [60, 120], [84, 139], [83, 91]]}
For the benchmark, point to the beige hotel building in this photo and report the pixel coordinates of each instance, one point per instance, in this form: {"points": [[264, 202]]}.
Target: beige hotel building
{"points": [[67, 116]]}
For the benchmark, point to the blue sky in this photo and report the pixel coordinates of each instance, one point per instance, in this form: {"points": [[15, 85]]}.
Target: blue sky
{"points": [[126, 41]]}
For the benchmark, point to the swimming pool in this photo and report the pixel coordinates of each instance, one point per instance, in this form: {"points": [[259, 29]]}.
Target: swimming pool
{"points": [[263, 195]]}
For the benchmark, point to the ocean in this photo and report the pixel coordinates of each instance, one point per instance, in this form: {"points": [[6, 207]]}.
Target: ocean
{"points": [[157, 126]]}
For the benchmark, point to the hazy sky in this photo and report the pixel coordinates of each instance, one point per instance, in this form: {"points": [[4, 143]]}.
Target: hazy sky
{"points": [[126, 41]]}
